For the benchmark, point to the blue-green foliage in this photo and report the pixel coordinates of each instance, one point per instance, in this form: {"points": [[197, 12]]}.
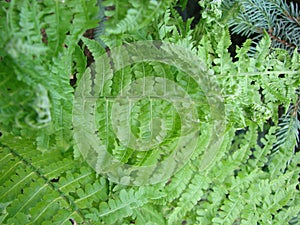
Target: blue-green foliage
{"points": [[45, 181], [276, 17]]}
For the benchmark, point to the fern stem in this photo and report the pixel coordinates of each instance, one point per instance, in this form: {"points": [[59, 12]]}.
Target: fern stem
{"points": [[67, 199], [258, 73]]}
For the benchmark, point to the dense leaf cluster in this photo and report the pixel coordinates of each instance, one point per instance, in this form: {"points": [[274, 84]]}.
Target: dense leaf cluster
{"points": [[46, 181]]}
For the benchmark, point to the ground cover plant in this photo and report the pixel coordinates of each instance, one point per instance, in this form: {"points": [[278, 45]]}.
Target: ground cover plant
{"points": [[243, 172]]}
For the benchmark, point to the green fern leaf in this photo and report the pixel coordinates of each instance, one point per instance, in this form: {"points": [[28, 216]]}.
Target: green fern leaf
{"points": [[223, 61], [149, 215], [121, 207], [36, 187], [96, 49], [189, 198]]}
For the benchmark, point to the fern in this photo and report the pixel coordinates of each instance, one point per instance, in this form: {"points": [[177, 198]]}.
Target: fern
{"points": [[26, 59], [189, 198], [60, 165], [128, 17], [288, 133], [122, 207], [37, 188]]}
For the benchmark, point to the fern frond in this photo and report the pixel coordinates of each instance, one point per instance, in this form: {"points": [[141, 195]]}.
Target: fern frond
{"points": [[289, 126], [135, 16], [228, 176], [189, 198], [96, 49], [260, 155], [37, 187], [128, 17], [46, 32], [223, 61], [148, 214], [176, 185], [123, 206]]}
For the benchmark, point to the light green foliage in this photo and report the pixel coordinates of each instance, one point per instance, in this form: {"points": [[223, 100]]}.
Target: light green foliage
{"points": [[38, 50], [45, 188], [43, 183], [127, 19]]}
